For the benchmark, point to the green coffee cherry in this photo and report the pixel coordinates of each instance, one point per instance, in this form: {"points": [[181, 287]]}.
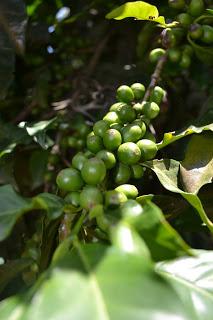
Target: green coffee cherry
{"points": [[73, 198], [195, 31], [141, 124], [138, 107], [94, 143], [125, 94], [116, 126], [177, 4], [185, 19], [196, 7], [78, 160], [53, 159], [111, 117], [130, 191], [90, 197], [71, 142], [157, 95], [151, 110], [80, 144], [187, 49], [112, 139], [129, 153], [69, 180], [114, 199], [88, 154], [123, 174], [100, 127], [155, 54], [83, 129], [138, 90], [174, 55], [107, 157], [207, 36], [168, 39], [185, 61], [127, 114], [148, 149], [116, 107], [93, 171], [132, 133], [137, 171], [179, 33]]}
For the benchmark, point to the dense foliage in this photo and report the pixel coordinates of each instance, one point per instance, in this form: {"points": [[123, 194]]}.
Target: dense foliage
{"points": [[106, 159]]}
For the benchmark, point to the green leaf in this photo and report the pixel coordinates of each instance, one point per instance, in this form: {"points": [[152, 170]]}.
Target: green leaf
{"points": [[38, 131], [197, 167], [38, 167], [173, 136], [167, 172], [162, 240], [52, 204], [13, 206], [12, 27], [139, 10], [117, 285], [11, 269], [12, 309], [204, 53], [192, 278]]}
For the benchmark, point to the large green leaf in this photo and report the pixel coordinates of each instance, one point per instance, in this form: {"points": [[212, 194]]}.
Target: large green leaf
{"points": [[163, 241], [118, 285], [137, 9], [13, 206], [173, 136], [167, 171], [197, 167], [12, 27], [192, 278]]}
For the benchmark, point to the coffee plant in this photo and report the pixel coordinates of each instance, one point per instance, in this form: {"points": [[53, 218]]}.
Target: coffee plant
{"points": [[106, 160]]}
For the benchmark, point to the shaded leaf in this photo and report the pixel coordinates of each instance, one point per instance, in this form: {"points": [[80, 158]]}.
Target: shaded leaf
{"points": [[197, 167], [13, 206], [204, 53], [167, 171], [52, 204], [162, 240], [37, 167], [12, 28], [139, 10], [192, 278], [103, 289], [11, 269]]}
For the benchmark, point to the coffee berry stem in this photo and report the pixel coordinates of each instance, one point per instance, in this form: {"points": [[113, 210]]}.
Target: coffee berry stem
{"points": [[155, 76]]}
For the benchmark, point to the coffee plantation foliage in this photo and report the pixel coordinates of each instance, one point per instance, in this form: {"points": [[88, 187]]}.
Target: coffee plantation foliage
{"points": [[106, 160]]}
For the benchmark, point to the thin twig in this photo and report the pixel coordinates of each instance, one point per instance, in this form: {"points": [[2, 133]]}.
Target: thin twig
{"points": [[155, 76]]}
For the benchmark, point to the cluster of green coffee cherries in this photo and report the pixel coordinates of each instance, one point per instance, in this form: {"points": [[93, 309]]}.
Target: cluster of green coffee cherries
{"points": [[193, 24], [114, 150]]}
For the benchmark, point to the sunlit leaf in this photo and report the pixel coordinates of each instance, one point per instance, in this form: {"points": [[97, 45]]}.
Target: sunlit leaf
{"points": [[139, 10]]}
